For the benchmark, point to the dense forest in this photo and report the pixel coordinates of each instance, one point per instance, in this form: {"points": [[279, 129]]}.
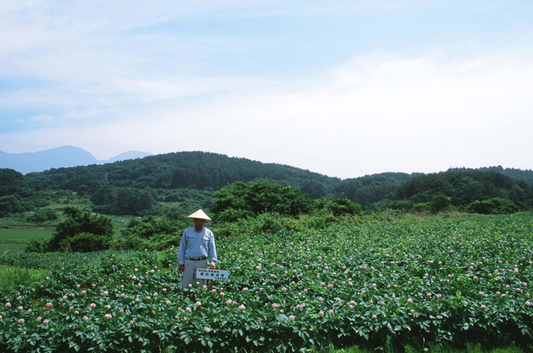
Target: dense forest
{"points": [[174, 183]]}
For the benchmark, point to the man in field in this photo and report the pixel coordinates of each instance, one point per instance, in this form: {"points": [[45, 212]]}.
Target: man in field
{"points": [[197, 244]]}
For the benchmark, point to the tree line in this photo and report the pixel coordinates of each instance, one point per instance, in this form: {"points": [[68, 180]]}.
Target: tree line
{"points": [[169, 184]]}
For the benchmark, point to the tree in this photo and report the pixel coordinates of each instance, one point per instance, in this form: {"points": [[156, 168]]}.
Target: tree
{"points": [[440, 203], [258, 197], [78, 222]]}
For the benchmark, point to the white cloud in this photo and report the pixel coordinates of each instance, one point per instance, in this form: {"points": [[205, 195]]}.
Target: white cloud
{"points": [[372, 114]]}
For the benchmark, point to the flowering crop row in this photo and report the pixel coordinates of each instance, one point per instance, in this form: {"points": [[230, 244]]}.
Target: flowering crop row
{"points": [[456, 281]]}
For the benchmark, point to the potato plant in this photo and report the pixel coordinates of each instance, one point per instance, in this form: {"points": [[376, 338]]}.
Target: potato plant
{"points": [[451, 281]]}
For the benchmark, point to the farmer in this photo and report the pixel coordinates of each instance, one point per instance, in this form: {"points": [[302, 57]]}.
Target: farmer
{"points": [[197, 244]]}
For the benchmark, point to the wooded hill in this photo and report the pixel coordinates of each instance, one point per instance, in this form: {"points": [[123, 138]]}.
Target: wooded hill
{"points": [[189, 179]]}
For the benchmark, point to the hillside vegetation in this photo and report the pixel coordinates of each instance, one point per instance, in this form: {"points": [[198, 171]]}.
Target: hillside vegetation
{"points": [[176, 183]]}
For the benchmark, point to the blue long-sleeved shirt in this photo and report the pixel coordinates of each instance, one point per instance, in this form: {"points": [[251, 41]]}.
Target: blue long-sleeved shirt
{"points": [[197, 244]]}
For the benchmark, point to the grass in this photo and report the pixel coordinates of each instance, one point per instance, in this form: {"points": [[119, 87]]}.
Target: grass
{"points": [[15, 240], [25, 233]]}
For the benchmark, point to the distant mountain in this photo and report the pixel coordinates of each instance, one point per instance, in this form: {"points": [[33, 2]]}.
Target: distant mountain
{"points": [[60, 157]]}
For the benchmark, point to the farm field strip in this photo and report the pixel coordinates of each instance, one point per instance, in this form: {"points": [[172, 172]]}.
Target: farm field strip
{"points": [[398, 283]]}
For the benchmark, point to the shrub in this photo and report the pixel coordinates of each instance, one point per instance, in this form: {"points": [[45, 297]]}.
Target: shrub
{"points": [[494, 205], [80, 222], [86, 242], [43, 215]]}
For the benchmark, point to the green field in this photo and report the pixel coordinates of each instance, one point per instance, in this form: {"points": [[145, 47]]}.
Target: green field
{"points": [[15, 240]]}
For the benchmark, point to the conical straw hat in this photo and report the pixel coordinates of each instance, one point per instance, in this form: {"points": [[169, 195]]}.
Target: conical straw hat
{"points": [[200, 215]]}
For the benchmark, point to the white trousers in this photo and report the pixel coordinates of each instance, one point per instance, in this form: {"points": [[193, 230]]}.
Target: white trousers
{"points": [[189, 275]]}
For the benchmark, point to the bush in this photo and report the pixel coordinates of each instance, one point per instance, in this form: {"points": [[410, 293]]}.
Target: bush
{"points": [[38, 246], [440, 203], [495, 205], [341, 206], [86, 242], [43, 215], [80, 222]]}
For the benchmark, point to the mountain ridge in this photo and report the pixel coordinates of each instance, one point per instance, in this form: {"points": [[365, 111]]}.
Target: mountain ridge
{"points": [[59, 157]]}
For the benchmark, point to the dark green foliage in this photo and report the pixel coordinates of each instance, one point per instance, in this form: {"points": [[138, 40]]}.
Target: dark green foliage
{"points": [[515, 174], [150, 226], [370, 189], [151, 233], [440, 203], [9, 204], [13, 183], [38, 246], [80, 222], [196, 170], [86, 242], [258, 197], [341, 206], [43, 215], [464, 187], [495, 205], [120, 201]]}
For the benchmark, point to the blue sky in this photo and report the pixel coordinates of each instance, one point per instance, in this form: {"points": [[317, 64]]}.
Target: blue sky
{"points": [[343, 88]]}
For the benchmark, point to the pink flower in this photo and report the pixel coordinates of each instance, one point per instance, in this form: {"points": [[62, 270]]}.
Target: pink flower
{"points": [[190, 285], [76, 312], [321, 313], [188, 310], [207, 330], [330, 311], [20, 308], [20, 321], [105, 293], [374, 317], [92, 305], [85, 318], [108, 306], [292, 318], [409, 300], [245, 289], [198, 304], [108, 316], [64, 297], [45, 322], [83, 292], [483, 307], [283, 289], [528, 304], [39, 318], [168, 302], [48, 305], [242, 307], [221, 294], [229, 302]]}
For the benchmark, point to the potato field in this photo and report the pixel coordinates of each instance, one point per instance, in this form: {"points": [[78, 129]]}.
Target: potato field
{"points": [[387, 284]]}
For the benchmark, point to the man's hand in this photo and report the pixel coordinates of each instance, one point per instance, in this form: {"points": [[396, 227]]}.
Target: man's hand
{"points": [[182, 267], [212, 266]]}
